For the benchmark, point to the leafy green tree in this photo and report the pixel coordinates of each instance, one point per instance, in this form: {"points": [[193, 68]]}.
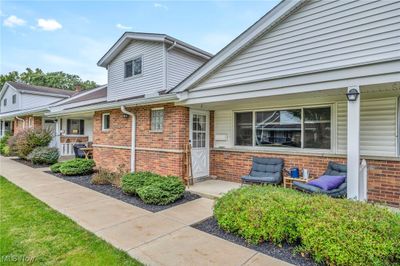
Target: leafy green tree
{"points": [[58, 79]]}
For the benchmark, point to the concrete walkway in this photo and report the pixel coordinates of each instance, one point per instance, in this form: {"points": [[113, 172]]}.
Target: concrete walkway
{"points": [[163, 238]]}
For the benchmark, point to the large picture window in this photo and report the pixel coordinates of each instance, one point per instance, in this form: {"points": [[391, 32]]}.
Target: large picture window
{"points": [[299, 128], [75, 126]]}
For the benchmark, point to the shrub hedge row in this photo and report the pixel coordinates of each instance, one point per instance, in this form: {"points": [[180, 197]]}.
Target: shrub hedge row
{"points": [[26, 141], [153, 188], [44, 155], [74, 167], [332, 231]]}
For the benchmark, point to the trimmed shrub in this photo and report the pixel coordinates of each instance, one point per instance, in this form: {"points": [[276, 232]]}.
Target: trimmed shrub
{"points": [[44, 155], [4, 149], [105, 177], [55, 168], [132, 181], [332, 231], [26, 141], [153, 188], [77, 167], [163, 191]]}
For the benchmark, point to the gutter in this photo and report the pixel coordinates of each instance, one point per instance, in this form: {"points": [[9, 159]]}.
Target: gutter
{"points": [[117, 104], [133, 137], [23, 121]]}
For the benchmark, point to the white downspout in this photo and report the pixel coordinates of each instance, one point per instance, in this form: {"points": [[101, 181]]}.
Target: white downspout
{"points": [[23, 121], [133, 140]]}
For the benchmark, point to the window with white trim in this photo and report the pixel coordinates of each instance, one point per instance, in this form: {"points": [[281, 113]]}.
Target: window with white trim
{"points": [[75, 127], [133, 67], [30, 122], [5, 102], [305, 127], [157, 119], [105, 122], [14, 98]]}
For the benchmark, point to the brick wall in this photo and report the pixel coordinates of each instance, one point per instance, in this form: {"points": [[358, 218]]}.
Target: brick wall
{"points": [[383, 176], [21, 125], [159, 152]]}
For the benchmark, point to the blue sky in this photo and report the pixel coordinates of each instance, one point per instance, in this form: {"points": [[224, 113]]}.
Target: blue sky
{"points": [[73, 35]]}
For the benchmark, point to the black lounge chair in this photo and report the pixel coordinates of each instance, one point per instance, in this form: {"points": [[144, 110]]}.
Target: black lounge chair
{"points": [[334, 169], [77, 150], [265, 171]]}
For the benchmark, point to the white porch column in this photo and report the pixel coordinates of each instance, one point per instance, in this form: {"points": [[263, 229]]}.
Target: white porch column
{"points": [[353, 146], [58, 135]]}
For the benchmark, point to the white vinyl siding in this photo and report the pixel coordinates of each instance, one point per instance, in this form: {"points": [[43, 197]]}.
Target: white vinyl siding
{"points": [[223, 126], [179, 66], [320, 35], [377, 127], [33, 100], [10, 106], [151, 79]]}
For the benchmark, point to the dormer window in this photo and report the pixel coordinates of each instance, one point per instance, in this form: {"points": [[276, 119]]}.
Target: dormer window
{"points": [[133, 67], [14, 98], [5, 102]]}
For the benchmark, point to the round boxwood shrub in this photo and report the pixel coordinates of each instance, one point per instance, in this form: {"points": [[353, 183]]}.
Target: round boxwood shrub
{"points": [[153, 188], [332, 231], [163, 191], [77, 167], [44, 155], [55, 168], [132, 181]]}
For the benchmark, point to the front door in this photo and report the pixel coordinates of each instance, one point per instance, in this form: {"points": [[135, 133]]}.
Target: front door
{"points": [[199, 138], [50, 124]]}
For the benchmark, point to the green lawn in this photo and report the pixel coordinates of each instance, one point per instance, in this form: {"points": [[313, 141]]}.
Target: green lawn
{"points": [[32, 231]]}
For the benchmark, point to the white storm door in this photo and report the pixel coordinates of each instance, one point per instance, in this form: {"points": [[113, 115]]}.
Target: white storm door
{"points": [[199, 138], [50, 124]]}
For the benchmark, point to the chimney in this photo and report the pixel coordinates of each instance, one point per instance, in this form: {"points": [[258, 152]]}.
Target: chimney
{"points": [[78, 88]]}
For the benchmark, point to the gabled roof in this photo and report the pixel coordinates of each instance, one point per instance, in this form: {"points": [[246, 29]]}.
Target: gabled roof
{"points": [[87, 95], [279, 12], [127, 37], [22, 87]]}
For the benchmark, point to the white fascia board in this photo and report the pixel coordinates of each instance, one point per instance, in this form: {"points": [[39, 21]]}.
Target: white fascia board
{"points": [[44, 94], [6, 86], [123, 41], [266, 22], [33, 111], [116, 104]]}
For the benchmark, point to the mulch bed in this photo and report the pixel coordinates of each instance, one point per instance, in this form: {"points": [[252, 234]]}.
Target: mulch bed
{"points": [[117, 193], [30, 164], [285, 253]]}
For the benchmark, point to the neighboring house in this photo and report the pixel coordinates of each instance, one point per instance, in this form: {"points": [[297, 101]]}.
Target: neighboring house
{"points": [[277, 90], [23, 106]]}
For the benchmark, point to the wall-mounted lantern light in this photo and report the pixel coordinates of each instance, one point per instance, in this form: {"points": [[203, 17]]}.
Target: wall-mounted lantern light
{"points": [[125, 116], [352, 95]]}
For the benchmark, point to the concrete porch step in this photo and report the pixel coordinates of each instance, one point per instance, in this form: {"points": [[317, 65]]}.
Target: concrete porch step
{"points": [[212, 189]]}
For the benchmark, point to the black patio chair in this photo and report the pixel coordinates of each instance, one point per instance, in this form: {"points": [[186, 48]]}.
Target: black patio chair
{"points": [[77, 150], [334, 169], [265, 171]]}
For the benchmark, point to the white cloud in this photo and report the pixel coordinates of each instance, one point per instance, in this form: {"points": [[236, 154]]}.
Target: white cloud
{"points": [[48, 24], [123, 27], [162, 6], [12, 21]]}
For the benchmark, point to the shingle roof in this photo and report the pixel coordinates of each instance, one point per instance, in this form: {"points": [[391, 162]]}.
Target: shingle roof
{"points": [[101, 93], [41, 89]]}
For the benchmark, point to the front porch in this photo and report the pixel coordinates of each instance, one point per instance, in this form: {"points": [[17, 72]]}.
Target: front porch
{"points": [[308, 130], [71, 130]]}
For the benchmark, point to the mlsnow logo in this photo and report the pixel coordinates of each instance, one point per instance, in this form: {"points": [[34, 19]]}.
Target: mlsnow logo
{"points": [[16, 258]]}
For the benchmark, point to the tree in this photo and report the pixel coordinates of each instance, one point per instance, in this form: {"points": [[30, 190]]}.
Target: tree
{"points": [[58, 79]]}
